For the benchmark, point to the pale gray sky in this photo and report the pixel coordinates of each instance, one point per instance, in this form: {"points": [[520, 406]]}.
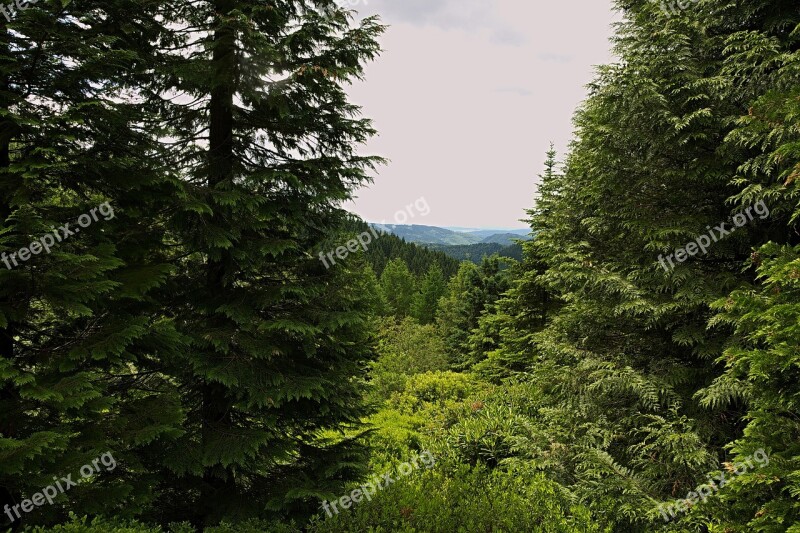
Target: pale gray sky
{"points": [[468, 95]]}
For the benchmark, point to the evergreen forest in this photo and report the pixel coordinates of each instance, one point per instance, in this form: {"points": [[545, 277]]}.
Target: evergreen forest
{"points": [[172, 172]]}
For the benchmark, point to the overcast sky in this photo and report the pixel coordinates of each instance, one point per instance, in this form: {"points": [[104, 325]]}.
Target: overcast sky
{"points": [[468, 95]]}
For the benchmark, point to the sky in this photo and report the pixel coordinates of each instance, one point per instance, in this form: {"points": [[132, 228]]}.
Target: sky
{"points": [[467, 96]]}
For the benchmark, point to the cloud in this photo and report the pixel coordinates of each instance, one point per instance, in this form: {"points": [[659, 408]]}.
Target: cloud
{"points": [[454, 103], [509, 37], [469, 15], [465, 14]]}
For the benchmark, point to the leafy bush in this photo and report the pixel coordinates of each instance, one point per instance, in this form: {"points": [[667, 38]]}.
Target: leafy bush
{"points": [[405, 348], [457, 498]]}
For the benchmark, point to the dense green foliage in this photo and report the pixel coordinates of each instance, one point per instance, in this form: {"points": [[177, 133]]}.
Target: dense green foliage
{"points": [[476, 252], [388, 246], [240, 382], [194, 335]]}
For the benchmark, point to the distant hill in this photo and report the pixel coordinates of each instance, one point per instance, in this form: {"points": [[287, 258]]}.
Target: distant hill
{"points": [[430, 234], [454, 236], [483, 233], [382, 250]]}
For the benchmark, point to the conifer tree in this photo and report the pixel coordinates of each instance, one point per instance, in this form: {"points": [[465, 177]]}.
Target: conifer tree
{"points": [[761, 358], [81, 337], [623, 358], [526, 307], [265, 141], [426, 301], [397, 284]]}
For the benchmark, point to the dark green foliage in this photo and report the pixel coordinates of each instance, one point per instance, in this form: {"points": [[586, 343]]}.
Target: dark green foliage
{"points": [[197, 336], [418, 258], [634, 398], [81, 336], [476, 252], [194, 335], [472, 294], [277, 343]]}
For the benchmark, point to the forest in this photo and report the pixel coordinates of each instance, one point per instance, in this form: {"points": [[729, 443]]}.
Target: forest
{"points": [[174, 357]]}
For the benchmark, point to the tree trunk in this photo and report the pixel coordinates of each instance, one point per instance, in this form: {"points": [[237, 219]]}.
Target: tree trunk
{"points": [[218, 480]]}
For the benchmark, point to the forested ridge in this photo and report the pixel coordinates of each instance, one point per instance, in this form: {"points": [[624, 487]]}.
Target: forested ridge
{"points": [[177, 354]]}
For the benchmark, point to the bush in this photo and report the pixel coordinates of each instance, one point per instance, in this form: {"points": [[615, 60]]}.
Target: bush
{"points": [[458, 498], [405, 348]]}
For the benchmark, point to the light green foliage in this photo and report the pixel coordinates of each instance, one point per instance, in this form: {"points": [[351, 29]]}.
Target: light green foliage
{"points": [[398, 284], [405, 348], [426, 301], [454, 497]]}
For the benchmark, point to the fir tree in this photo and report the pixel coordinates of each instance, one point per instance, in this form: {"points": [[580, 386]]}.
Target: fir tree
{"points": [[426, 301], [265, 143], [81, 336], [397, 284]]}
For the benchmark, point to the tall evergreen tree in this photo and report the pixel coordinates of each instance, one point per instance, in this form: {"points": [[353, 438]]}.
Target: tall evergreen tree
{"points": [[426, 301], [622, 360], [81, 337], [761, 358], [527, 306], [264, 138], [397, 284]]}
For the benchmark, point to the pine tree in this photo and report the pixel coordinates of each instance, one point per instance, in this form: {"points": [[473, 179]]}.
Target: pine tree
{"points": [[432, 288], [265, 143], [397, 284], [81, 336]]}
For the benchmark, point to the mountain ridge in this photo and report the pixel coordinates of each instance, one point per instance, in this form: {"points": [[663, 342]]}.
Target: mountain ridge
{"points": [[420, 234]]}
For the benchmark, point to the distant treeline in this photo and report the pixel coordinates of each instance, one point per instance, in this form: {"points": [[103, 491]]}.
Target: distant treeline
{"points": [[418, 258], [476, 252]]}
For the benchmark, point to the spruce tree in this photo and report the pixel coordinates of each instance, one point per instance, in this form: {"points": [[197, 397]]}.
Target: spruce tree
{"points": [[81, 336], [397, 284], [265, 141], [426, 301]]}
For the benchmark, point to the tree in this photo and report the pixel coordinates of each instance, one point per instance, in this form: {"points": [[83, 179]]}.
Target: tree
{"points": [[82, 335], [277, 346], [397, 284], [761, 358], [623, 356], [426, 301], [526, 307], [472, 293]]}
